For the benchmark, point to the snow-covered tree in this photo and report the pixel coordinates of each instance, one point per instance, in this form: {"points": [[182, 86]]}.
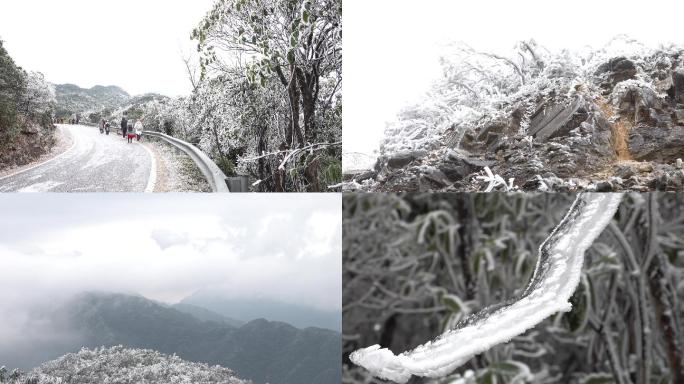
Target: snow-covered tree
{"points": [[39, 97], [269, 99], [124, 365]]}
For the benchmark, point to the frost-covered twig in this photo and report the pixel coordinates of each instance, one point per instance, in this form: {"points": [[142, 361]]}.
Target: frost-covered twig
{"points": [[290, 153], [495, 181], [311, 147], [555, 278]]}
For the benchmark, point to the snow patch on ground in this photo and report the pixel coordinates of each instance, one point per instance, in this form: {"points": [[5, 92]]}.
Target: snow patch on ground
{"points": [[41, 187]]}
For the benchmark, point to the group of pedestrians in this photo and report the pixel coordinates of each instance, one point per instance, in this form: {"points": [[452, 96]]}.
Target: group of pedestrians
{"points": [[130, 131], [104, 126]]}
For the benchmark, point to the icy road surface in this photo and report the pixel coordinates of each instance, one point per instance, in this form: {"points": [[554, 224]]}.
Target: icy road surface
{"points": [[555, 278], [94, 163]]}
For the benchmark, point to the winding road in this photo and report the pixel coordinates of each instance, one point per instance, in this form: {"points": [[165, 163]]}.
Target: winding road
{"points": [[94, 163]]}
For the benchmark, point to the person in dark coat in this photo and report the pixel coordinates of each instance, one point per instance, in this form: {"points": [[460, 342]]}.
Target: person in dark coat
{"points": [[124, 126]]}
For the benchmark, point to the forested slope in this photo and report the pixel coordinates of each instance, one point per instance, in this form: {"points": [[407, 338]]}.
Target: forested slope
{"points": [[27, 104]]}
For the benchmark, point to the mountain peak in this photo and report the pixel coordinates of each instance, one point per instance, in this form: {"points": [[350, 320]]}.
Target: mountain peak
{"points": [[72, 99]]}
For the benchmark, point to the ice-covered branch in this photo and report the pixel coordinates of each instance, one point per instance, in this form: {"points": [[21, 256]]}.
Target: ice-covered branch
{"points": [[554, 280], [290, 154]]}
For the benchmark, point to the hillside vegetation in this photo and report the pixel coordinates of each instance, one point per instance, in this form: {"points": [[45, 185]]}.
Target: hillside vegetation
{"points": [[73, 100], [121, 365], [27, 104]]}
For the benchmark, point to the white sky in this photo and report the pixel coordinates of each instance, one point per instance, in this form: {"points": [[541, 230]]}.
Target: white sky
{"points": [[392, 47], [133, 44], [166, 247]]}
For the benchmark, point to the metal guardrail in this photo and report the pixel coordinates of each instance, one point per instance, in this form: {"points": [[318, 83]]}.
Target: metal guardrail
{"points": [[214, 175]]}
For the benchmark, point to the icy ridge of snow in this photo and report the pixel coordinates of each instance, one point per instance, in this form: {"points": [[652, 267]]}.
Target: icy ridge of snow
{"points": [[556, 276]]}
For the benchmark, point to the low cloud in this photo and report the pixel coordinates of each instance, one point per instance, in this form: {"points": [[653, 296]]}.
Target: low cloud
{"points": [[166, 247]]}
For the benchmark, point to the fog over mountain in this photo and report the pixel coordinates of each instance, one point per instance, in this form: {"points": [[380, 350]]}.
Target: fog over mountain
{"points": [[245, 309], [82, 272], [259, 350]]}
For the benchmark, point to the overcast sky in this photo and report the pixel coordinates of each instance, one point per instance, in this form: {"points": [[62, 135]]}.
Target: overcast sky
{"points": [[133, 44], [165, 247], [392, 47]]}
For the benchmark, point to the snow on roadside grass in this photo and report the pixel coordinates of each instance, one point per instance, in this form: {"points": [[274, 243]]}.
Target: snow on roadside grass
{"points": [[177, 171]]}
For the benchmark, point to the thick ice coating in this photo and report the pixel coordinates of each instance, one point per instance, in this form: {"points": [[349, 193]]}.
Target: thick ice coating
{"points": [[555, 278]]}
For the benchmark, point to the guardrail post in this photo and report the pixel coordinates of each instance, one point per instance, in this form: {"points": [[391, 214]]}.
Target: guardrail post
{"points": [[238, 183]]}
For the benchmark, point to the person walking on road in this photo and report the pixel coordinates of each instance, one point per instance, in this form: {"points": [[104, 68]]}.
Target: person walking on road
{"points": [[138, 129], [124, 126], [131, 134]]}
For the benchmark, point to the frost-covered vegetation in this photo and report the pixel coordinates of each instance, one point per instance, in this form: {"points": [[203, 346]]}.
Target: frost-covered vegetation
{"points": [[27, 104], [121, 365], [267, 93], [553, 282], [533, 112], [91, 104], [417, 265]]}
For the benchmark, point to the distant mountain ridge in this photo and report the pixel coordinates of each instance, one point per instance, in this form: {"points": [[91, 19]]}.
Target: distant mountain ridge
{"points": [[206, 315], [72, 99], [108, 102], [260, 350], [247, 309]]}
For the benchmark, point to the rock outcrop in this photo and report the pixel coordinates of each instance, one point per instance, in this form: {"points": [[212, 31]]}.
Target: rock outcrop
{"points": [[559, 119], [618, 126]]}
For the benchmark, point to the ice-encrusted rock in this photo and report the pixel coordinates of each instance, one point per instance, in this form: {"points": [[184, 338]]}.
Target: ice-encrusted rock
{"points": [[660, 144], [615, 71], [404, 158], [678, 85], [558, 120], [584, 114], [459, 164]]}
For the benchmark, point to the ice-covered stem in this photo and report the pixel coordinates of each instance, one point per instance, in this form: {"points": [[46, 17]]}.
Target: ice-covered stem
{"points": [[554, 280], [664, 295]]}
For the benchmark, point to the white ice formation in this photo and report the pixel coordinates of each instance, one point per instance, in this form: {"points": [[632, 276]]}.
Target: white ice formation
{"points": [[555, 278]]}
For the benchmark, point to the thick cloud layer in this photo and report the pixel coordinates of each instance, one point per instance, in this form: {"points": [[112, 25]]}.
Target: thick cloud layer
{"points": [[166, 247]]}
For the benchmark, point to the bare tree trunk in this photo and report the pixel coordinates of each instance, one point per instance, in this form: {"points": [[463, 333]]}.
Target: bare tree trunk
{"points": [[292, 130], [218, 144], [261, 148], [294, 95], [308, 104], [311, 175], [279, 178]]}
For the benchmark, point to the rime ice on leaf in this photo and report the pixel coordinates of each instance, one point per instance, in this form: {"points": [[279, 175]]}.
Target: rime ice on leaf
{"points": [[555, 278]]}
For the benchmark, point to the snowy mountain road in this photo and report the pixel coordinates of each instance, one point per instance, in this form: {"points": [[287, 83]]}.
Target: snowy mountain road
{"points": [[94, 163]]}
